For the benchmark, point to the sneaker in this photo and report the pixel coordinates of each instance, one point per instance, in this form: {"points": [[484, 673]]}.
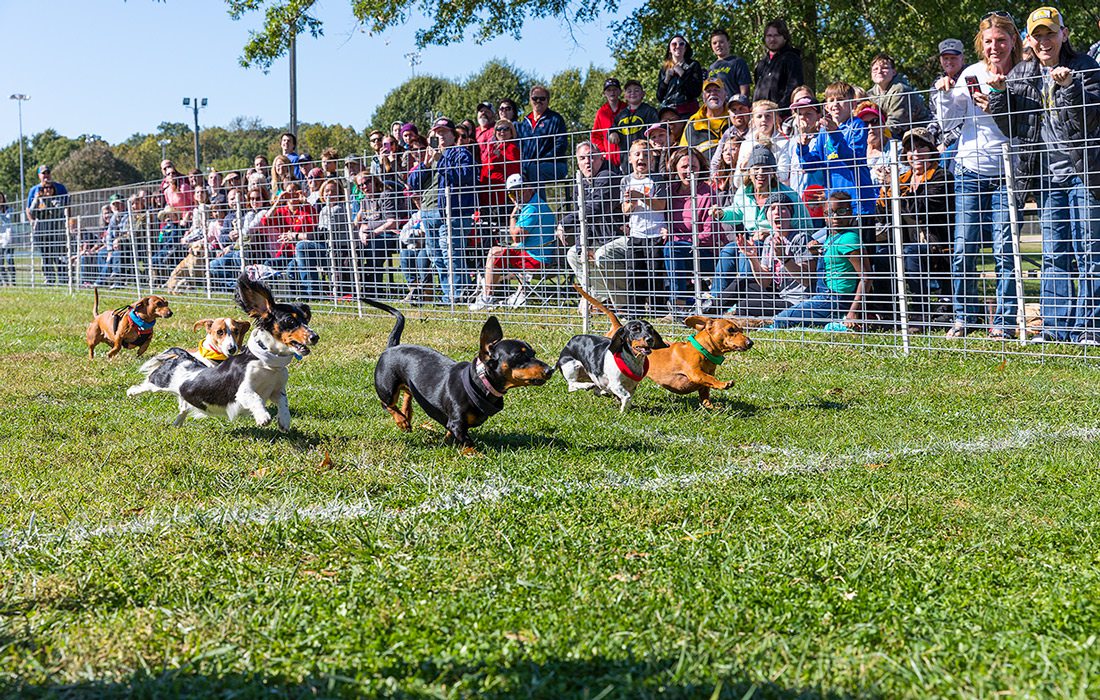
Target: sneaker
{"points": [[482, 303], [957, 331], [517, 299], [1088, 339]]}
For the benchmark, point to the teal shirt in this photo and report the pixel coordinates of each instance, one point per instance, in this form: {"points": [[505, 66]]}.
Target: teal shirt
{"points": [[537, 222], [744, 211], [840, 274]]}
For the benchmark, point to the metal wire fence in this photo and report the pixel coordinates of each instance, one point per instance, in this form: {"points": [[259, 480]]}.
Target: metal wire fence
{"points": [[837, 223]]}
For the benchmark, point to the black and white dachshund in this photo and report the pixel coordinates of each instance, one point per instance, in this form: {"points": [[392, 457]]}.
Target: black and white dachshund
{"points": [[610, 366], [245, 382]]}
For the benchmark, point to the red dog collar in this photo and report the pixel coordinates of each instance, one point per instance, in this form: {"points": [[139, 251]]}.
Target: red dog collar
{"points": [[625, 368]]}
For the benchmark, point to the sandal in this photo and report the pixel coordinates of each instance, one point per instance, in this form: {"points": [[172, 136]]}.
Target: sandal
{"points": [[1001, 334], [957, 331]]}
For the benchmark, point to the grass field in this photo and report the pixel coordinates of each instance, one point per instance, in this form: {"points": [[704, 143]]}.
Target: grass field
{"points": [[849, 524]]}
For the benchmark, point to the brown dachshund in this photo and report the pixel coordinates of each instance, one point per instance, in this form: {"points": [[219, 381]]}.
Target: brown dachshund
{"points": [[684, 368], [126, 327]]}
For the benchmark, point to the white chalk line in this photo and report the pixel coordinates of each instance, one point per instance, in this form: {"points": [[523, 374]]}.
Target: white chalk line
{"points": [[497, 488]]}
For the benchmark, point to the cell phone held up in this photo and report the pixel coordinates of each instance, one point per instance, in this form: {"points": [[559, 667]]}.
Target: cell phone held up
{"points": [[972, 86], [433, 142]]}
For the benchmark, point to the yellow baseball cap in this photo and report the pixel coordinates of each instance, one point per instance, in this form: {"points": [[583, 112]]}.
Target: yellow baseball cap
{"points": [[1048, 17]]}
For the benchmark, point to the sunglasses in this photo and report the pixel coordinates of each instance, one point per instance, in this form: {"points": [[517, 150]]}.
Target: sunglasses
{"points": [[502, 130], [539, 98], [998, 13], [837, 212]]}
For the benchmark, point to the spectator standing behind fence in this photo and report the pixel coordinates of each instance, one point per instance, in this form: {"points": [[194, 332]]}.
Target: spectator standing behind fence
{"points": [[176, 190], [532, 242], [644, 200], [288, 147], [903, 107], [376, 222], [704, 129], [779, 71], [500, 158], [454, 168], [680, 79], [740, 125], [878, 142], [841, 151], [731, 70], [258, 174], [45, 174], [981, 191], [47, 215], [168, 251], [484, 132], [925, 199], [806, 116], [689, 227], [603, 220], [282, 175], [635, 116], [7, 251], [1052, 105], [543, 141], [844, 277], [603, 134], [765, 132], [952, 61]]}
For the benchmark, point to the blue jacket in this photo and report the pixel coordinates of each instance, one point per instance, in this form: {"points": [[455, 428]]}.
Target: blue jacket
{"points": [[456, 170], [842, 155], [545, 141]]}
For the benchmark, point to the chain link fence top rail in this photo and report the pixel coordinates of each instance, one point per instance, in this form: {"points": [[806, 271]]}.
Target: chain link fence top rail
{"points": [[915, 220]]}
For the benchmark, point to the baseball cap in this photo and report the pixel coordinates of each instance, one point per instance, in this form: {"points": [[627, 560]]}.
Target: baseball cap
{"points": [[630, 82], [665, 109], [804, 101], [712, 80], [486, 105], [762, 156], [868, 109], [116, 197], [514, 182], [951, 46], [920, 134], [740, 99], [443, 123], [1048, 17], [315, 172], [611, 83], [43, 169], [778, 198], [659, 126], [231, 175]]}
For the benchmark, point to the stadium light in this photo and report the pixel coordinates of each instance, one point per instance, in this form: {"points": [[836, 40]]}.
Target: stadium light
{"points": [[20, 98], [163, 143], [195, 104]]}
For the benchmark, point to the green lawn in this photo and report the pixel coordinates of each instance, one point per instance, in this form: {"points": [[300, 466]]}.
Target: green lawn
{"points": [[851, 523]]}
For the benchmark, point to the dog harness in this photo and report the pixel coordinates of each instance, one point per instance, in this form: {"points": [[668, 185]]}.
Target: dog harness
{"points": [[625, 368], [144, 327], [716, 359], [211, 353], [474, 388]]}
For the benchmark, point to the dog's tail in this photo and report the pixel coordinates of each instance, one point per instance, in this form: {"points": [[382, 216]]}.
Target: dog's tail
{"points": [[398, 327], [615, 323], [95, 303], [153, 363]]}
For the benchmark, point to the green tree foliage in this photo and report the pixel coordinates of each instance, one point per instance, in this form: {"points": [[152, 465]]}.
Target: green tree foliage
{"points": [[414, 100], [577, 96], [94, 166], [495, 81], [46, 147]]}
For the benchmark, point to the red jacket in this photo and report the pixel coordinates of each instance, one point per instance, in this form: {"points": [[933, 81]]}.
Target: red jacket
{"points": [[287, 221], [499, 160], [605, 120]]}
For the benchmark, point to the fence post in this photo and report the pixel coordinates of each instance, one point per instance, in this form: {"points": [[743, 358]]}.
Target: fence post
{"points": [[133, 247], [586, 312], [450, 248], [79, 262], [149, 248], [697, 276], [1017, 254], [899, 257], [69, 252], [239, 223], [354, 254]]}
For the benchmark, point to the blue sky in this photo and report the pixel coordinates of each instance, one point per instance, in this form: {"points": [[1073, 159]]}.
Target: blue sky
{"points": [[113, 68]]}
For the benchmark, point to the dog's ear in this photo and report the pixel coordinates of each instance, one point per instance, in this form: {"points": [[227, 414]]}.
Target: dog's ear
{"points": [[696, 322], [658, 342], [240, 330], [254, 298], [491, 334], [617, 340], [207, 322], [307, 311]]}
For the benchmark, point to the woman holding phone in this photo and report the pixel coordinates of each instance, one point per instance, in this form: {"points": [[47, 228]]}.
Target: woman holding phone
{"points": [[981, 192]]}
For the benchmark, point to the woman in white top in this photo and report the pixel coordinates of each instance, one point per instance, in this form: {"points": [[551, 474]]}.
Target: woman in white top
{"points": [[765, 131], [981, 194]]}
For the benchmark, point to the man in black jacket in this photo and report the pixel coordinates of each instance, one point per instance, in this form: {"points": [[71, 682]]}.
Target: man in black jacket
{"points": [[1051, 105], [603, 221]]}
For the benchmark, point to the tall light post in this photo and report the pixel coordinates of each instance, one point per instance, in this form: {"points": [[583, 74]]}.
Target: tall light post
{"points": [[163, 143], [187, 102], [20, 99]]}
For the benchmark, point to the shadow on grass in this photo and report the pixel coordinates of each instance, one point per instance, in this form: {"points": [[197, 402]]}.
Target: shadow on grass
{"points": [[673, 404], [299, 439], [588, 678]]}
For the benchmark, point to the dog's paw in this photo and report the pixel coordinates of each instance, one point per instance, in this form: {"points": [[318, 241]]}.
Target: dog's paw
{"points": [[264, 419], [133, 391], [728, 385]]}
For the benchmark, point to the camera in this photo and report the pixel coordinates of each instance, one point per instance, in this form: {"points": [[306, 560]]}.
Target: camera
{"points": [[433, 142]]}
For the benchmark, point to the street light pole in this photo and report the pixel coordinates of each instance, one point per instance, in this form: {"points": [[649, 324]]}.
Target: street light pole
{"points": [[195, 108], [19, 100], [163, 143], [294, 81]]}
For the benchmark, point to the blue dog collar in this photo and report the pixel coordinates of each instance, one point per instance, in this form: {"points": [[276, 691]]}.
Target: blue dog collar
{"points": [[143, 326]]}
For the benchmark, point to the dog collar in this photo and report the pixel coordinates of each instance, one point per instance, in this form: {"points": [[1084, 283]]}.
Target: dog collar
{"points": [[716, 359], [267, 357], [144, 327], [210, 353], [485, 404], [625, 368], [482, 371]]}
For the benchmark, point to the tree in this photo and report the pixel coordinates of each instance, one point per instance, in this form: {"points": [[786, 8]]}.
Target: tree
{"points": [[94, 166], [495, 81], [412, 101]]}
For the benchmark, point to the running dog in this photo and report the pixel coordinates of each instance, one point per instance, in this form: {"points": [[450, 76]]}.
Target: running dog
{"points": [[611, 366], [125, 327]]}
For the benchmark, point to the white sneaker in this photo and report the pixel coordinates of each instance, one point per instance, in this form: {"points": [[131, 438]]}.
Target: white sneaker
{"points": [[518, 298], [482, 303]]}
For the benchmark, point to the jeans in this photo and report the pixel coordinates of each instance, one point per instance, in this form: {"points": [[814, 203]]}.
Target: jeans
{"points": [[111, 263], [446, 251], [225, 269], [308, 258], [680, 266], [818, 310], [416, 267], [730, 267], [608, 273], [1070, 299], [981, 214]]}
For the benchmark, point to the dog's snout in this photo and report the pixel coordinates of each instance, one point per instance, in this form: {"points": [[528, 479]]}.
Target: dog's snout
{"points": [[313, 338]]}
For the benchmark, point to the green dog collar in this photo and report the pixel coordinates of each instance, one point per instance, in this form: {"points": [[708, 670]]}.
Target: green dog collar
{"points": [[716, 359]]}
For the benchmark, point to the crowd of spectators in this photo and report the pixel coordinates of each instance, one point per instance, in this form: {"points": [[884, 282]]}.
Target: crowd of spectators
{"points": [[732, 190]]}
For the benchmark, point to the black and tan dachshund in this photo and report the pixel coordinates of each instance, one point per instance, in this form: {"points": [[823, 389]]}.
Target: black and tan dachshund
{"points": [[457, 395]]}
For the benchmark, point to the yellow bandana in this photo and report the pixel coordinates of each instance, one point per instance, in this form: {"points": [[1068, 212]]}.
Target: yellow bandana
{"points": [[211, 354]]}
